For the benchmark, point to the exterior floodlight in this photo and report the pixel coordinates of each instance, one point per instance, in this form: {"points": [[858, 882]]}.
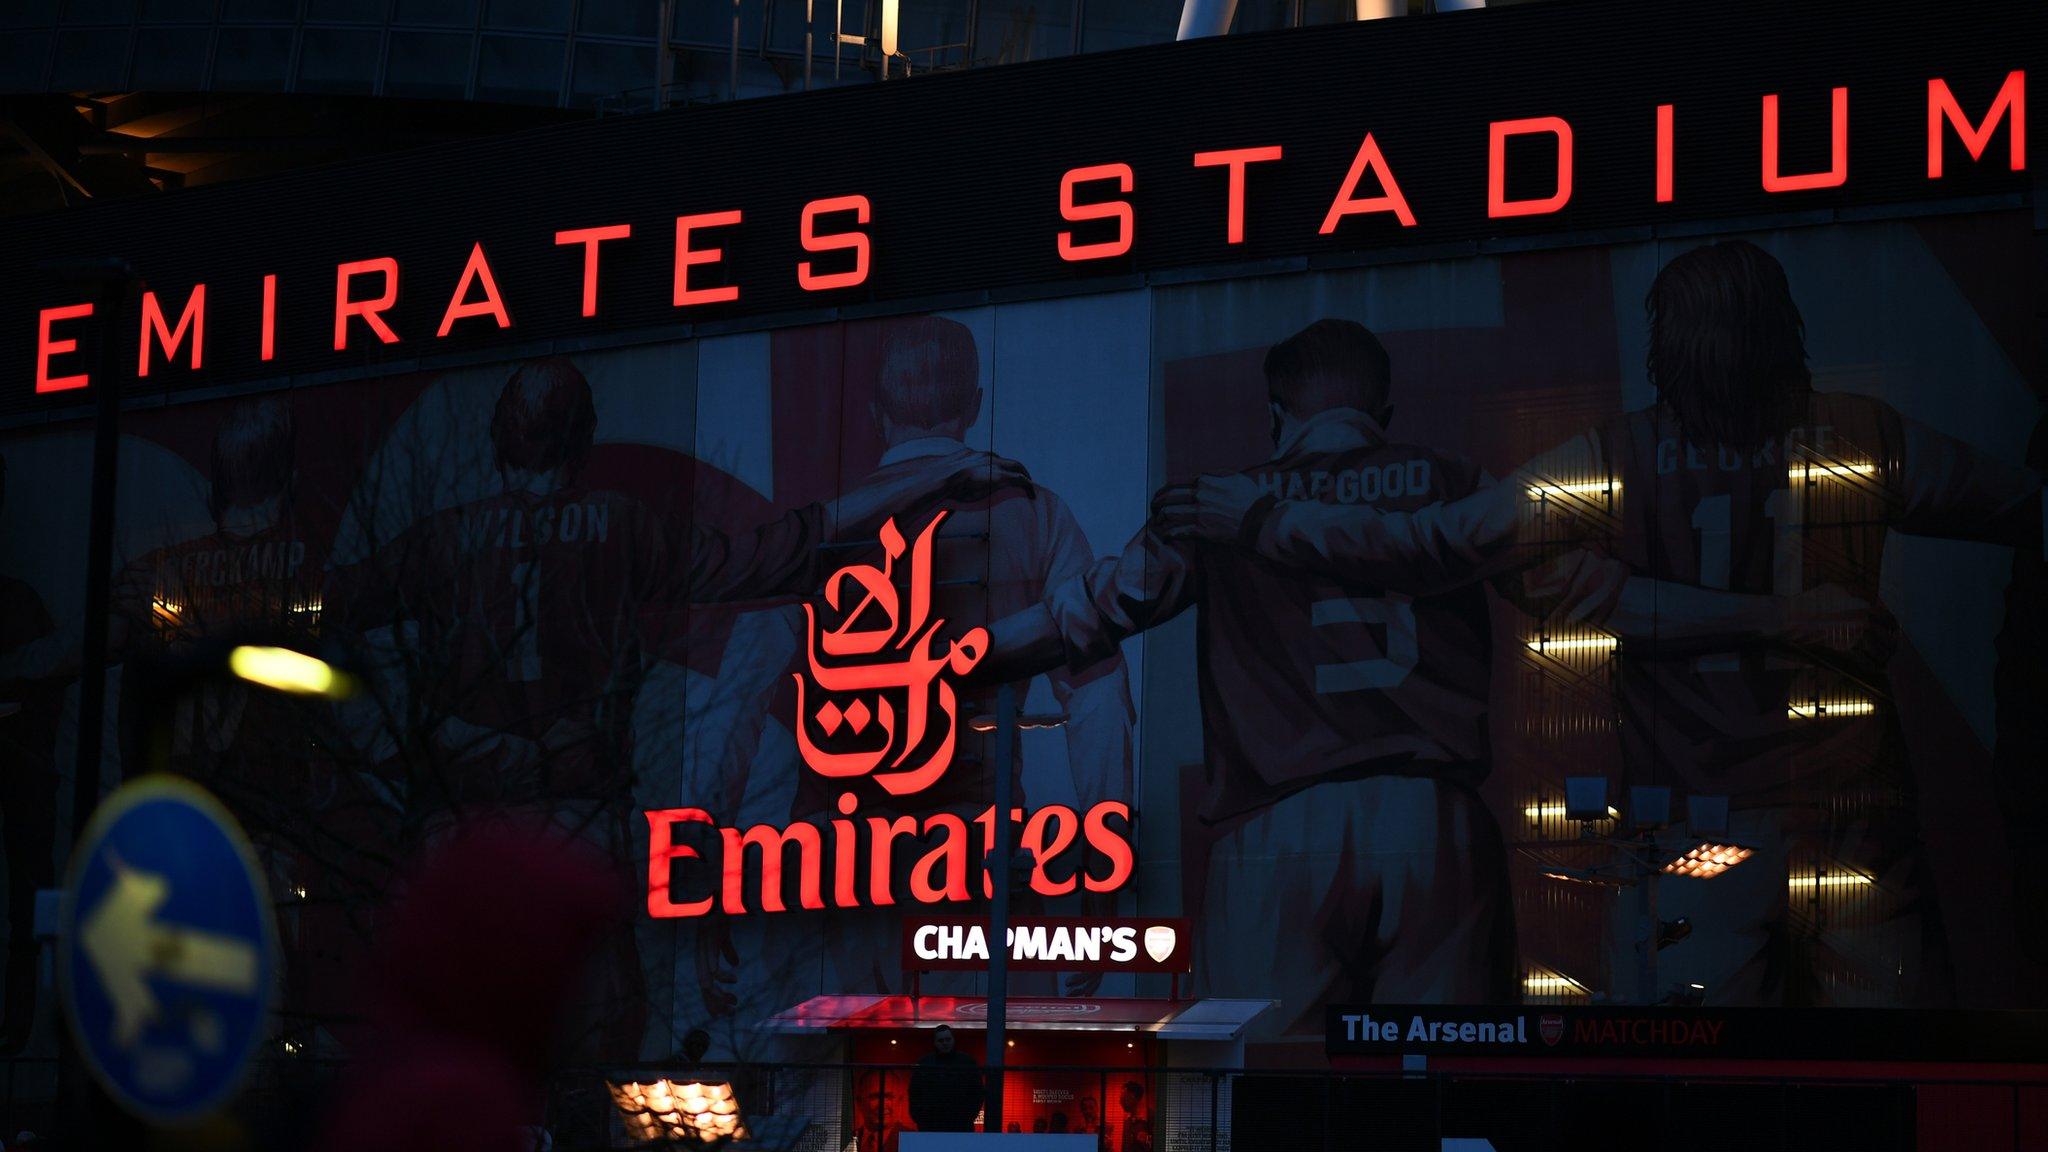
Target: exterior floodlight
{"points": [[1709, 860], [1706, 816], [683, 1111], [1649, 806], [295, 673], [1585, 798], [890, 20]]}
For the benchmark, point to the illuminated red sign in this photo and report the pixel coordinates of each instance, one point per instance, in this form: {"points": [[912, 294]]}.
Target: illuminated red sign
{"points": [[876, 699], [914, 711], [1106, 212]]}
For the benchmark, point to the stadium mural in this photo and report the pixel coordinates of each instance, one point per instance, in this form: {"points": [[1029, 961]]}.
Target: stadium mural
{"points": [[1315, 589]]}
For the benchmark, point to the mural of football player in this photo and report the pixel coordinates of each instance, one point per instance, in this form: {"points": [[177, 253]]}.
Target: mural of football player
{"points": [[1344, 726], [1352, 858], [255, 575], [994, 557], [30, 709], [525, 614], [1753, 665]]}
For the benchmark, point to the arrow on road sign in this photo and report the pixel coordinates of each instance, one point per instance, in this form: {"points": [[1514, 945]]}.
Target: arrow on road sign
{"points": [[125, 943]]}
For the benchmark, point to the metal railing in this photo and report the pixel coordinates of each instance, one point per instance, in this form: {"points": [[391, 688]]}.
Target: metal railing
{"points": [[791, 1107]]}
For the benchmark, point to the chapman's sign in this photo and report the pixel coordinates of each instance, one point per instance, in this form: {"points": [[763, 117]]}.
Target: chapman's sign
{"points": [[1051, 944], [1686, 1033], [1398, 134], [877, 700]]}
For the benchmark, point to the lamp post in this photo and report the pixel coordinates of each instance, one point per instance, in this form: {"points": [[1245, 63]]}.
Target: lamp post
{"points": [[999, 909], [109, 284]]}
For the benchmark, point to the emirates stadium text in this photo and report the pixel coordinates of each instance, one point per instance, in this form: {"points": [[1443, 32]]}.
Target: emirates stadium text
{"points": [[1096, 198]]}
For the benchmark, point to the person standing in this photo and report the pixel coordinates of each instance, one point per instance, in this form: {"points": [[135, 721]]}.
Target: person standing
{"points": [[946, 1089]]}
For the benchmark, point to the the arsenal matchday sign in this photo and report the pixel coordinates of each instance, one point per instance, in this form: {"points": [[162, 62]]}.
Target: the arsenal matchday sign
{"points": [[1389, 139], [1051, 944], [1687, 1033]]}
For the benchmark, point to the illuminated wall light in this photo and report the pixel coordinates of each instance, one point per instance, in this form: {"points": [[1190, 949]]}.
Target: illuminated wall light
{"points": [[1574, 643], [1590, 488], [1536, 985], [1558, 809], [1709, 860], [1816, 471], [1831, 880], [1825, 710], [165, 610]]}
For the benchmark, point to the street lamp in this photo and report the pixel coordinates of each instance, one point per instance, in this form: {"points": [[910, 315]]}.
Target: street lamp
{"points": [[290, 671]]}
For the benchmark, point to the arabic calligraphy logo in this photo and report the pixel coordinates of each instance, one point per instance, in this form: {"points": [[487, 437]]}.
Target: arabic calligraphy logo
{"points": [[874, 681]]}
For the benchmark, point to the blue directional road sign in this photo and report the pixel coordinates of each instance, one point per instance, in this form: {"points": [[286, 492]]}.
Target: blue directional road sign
{"points": [[168, 953]]}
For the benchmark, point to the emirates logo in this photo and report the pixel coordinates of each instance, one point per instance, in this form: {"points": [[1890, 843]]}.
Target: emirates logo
{"points": [[873, 700]]}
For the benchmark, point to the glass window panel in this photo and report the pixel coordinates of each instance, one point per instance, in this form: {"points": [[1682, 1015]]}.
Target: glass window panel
{"points": [[546, 15], [1112, 24], [259, 10], [252, 59], [622, 17], [94, 59], [709, 22], [1328, 12], [618, 75], [786, 30], [29, 14], [520, 70], [456, 13], [1013, 31], [435, 65], [934, 32], [1263, 15], [177, 10], [171, 59], [353, 11], [99, 11], [22, 59], [338, 60]]}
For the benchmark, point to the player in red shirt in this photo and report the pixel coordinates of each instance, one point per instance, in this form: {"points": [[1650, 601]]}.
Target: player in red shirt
{"points": [[273, 760], [1344, 723], [1753, 655], [521, 620], [993, 557], [255, 575], [530, 608]]}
